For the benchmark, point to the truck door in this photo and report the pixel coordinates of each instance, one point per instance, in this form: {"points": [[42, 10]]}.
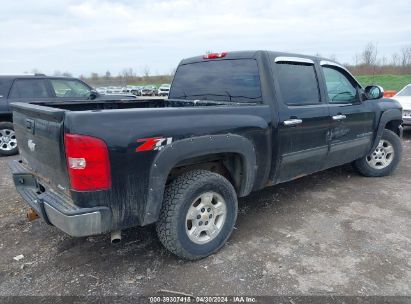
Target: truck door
{"points": [[304, 119], [351, 129]]}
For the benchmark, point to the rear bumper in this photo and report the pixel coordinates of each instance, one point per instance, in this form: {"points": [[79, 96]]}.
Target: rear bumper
{"points": [[57, 209]]}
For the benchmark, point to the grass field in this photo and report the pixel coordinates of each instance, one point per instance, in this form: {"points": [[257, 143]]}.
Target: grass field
{"points": [[388, 82]]}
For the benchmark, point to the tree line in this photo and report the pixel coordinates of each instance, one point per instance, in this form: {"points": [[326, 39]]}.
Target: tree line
{"points": [[367, 62], [126, 77]]}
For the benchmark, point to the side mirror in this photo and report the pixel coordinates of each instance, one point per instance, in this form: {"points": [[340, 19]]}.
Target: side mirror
{"points": [[93, 94], [374, 92]]}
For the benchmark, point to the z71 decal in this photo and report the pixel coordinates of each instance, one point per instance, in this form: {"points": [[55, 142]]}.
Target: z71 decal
{"points": [[153, 143]]}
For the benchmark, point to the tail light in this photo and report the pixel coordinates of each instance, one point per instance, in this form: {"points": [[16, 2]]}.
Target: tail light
{"points": [[215, 55], [87, 162]]}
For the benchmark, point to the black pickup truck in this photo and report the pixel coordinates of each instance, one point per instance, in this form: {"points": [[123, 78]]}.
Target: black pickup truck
{"points": [[234, 123]]}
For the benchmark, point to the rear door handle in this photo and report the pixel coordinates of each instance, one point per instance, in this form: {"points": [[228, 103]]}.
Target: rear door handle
{"points": [[292, 122], [339, 117]]}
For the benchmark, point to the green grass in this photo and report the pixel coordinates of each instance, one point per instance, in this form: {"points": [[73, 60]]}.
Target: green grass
{"points": [[388, 82]]}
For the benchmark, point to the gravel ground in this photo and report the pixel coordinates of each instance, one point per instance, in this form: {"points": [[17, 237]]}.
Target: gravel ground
{"points": [[332, 233]]}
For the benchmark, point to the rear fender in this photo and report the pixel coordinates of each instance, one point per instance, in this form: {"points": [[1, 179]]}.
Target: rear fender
{"points": [[6, 117], [181, 150]]}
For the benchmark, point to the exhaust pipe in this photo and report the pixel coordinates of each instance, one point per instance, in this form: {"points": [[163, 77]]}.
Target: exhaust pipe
{"points": [[32, 215], [116, 237]]}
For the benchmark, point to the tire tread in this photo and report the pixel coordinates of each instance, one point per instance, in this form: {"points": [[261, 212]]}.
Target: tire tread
{"points": [[174, 194], [362, 166]]}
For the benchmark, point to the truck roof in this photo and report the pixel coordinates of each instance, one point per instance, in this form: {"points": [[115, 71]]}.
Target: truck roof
{"points": [[36, 76], [252, 54]]}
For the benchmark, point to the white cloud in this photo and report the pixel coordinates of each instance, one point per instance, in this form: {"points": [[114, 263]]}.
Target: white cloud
{"points": [[90, 35]]}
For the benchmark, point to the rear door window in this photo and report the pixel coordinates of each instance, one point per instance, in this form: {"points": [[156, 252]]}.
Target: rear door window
{"points": [[298, 83], [221, 80], [29, 88]]}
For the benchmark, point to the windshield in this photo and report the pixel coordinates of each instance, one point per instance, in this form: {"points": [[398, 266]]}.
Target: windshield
{"points": [[222, 80], [405, 92]]}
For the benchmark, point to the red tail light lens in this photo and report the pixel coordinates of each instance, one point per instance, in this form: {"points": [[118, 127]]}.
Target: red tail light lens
{"points": [[215, 55], [87, 162]]}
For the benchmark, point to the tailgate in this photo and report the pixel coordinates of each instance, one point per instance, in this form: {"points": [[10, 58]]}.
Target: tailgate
{"points": [[39, 131]]}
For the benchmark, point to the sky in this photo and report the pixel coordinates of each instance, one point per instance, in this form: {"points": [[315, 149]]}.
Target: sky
{"points": [[85, 36]]}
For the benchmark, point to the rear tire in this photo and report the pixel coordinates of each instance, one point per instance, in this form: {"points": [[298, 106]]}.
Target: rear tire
{"points": [[8, 141], [384, 159], [198, 214]]}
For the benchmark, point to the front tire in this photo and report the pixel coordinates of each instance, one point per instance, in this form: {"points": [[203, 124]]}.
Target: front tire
{"points": [[198, 214], [384, 159], [8, 141]]}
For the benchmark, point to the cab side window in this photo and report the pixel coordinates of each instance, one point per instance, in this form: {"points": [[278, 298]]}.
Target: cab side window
{"points": [[340, 88], [70, 88], [29, 88], [298, 83]]}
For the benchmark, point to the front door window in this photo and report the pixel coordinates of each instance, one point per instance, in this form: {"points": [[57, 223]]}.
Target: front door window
{"points": [[339, 88]]}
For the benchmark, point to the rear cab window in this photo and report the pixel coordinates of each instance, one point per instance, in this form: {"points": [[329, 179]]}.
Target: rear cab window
{"points": [[235, 80]]}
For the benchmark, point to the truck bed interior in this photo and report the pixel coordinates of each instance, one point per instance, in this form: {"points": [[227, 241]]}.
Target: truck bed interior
{"points": [[133, 104], [73, 105]]}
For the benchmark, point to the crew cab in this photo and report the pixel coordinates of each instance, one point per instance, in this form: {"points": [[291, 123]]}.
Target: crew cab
{"points": [[234, 123], [37, 87]]}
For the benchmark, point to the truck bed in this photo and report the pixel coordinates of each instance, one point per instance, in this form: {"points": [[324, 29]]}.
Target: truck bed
{"points": [[122, 125], [73, 105]]}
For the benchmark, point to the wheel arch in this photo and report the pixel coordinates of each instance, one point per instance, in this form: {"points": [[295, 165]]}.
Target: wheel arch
{"points": [[8, 117], [391, 120], [186, 152]]}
